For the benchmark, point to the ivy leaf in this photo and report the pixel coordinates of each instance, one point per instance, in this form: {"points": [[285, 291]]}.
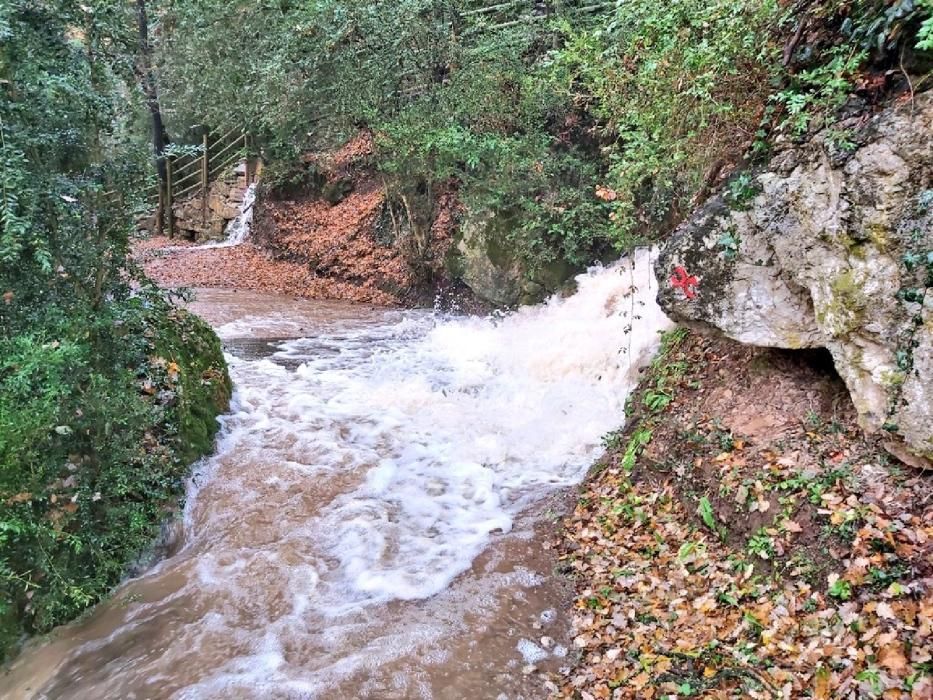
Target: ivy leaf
{"points": [[705, 510]]}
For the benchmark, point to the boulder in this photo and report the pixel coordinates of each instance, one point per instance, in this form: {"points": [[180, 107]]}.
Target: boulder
{"points": [[835, 250], [486, 263]]}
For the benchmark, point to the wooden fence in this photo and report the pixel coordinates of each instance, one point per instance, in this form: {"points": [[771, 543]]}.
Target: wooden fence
{"points": [[191, 175], [484, 16]]}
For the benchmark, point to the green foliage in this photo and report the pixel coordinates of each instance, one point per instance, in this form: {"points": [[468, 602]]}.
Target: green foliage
{"points": [[689, 548], [71, 164], [657, 400], [867, 30], [106, 392], [636, 445], [591, 132], [741, 190], [729, 242], [100, 416], [676, 86], [761, 544], [816, 93], [925, 33], [705, 511], [841, 589]]}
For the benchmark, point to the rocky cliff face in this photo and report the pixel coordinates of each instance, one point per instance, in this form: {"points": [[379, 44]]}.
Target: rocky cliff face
{"points": [[835, 250]]}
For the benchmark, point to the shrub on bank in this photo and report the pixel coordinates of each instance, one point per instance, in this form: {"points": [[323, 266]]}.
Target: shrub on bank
{"points": [[100, 418]]}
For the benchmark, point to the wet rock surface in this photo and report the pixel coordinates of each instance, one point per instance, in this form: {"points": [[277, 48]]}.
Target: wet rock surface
{"points": [[494, 273], [835, 250]]}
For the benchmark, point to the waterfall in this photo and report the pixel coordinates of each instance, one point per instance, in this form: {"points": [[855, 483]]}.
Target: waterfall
{"points": [[238, 230], [368, 521]]}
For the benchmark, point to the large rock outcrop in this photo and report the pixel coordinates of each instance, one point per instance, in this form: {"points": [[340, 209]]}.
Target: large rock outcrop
{"points": [[834, 251]]}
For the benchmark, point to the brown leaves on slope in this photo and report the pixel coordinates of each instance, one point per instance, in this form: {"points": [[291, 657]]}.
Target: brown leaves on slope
{"points": [[339, 241], [350, 154], [668, 610], [809, 576], [248, 267]]}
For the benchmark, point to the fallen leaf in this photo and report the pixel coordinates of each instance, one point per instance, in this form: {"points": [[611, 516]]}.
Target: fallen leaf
{"points": [[892, 658], [885, 611]]}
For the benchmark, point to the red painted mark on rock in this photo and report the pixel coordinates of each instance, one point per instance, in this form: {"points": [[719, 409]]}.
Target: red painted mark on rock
{"points": [[687, 282]]}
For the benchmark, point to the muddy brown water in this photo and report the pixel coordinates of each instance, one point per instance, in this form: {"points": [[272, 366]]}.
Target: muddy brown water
{"points": [[374, 521]]}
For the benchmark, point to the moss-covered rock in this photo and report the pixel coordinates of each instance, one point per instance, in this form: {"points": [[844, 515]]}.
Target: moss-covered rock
{"points": [[203, 386], [100, 419], [486, 262]]}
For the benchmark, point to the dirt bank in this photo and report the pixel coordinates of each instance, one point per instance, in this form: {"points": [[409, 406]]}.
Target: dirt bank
{"points": [[246, 266], [742, 538], [328, 232]]}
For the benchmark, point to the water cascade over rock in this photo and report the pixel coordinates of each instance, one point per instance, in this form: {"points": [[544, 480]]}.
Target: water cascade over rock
{"points": [[366, 527]]}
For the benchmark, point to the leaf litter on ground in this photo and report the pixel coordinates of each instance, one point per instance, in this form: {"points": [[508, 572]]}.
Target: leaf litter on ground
{"points": [[757, 546]]}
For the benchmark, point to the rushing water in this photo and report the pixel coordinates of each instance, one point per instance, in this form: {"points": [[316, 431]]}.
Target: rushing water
{"points": [[239, 228], [370, 525]]}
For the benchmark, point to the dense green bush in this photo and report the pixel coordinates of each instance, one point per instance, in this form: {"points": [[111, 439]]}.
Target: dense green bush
{"points": [[676, 87], [107, 392], [100, 417]]}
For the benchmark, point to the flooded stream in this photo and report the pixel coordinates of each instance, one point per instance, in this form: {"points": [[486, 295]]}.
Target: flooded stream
{"points": [[372, 523]]}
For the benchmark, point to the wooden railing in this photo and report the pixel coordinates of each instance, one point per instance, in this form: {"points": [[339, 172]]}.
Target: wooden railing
{"points": [[486, 16], [191, 175]]}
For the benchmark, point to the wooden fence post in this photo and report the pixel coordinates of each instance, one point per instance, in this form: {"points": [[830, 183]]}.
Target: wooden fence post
{"points": [[246, 147], [170, 205], [160, 210], [205, 170]]}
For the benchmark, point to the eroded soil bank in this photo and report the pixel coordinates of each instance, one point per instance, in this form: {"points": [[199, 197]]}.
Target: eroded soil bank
{"points": [[328, 232], [743, 538]]}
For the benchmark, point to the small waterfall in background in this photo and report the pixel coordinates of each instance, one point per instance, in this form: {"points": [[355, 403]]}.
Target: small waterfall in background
{"points": [[238, 230]]}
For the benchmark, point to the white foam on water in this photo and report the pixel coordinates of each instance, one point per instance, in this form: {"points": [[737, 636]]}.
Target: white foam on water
{"points": [[370, 463], [530, 651], [462, 423], [446, 428]]}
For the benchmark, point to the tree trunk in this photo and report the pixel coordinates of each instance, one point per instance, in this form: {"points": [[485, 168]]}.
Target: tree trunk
{"points": [[147, 82]]}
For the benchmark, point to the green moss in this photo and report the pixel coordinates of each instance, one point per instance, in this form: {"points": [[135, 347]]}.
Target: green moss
{"points": [[845, 309], [554, 274], [893, 379], [792, 340], [496, 236], [879, 236], [203, 386], [856, 249]]}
